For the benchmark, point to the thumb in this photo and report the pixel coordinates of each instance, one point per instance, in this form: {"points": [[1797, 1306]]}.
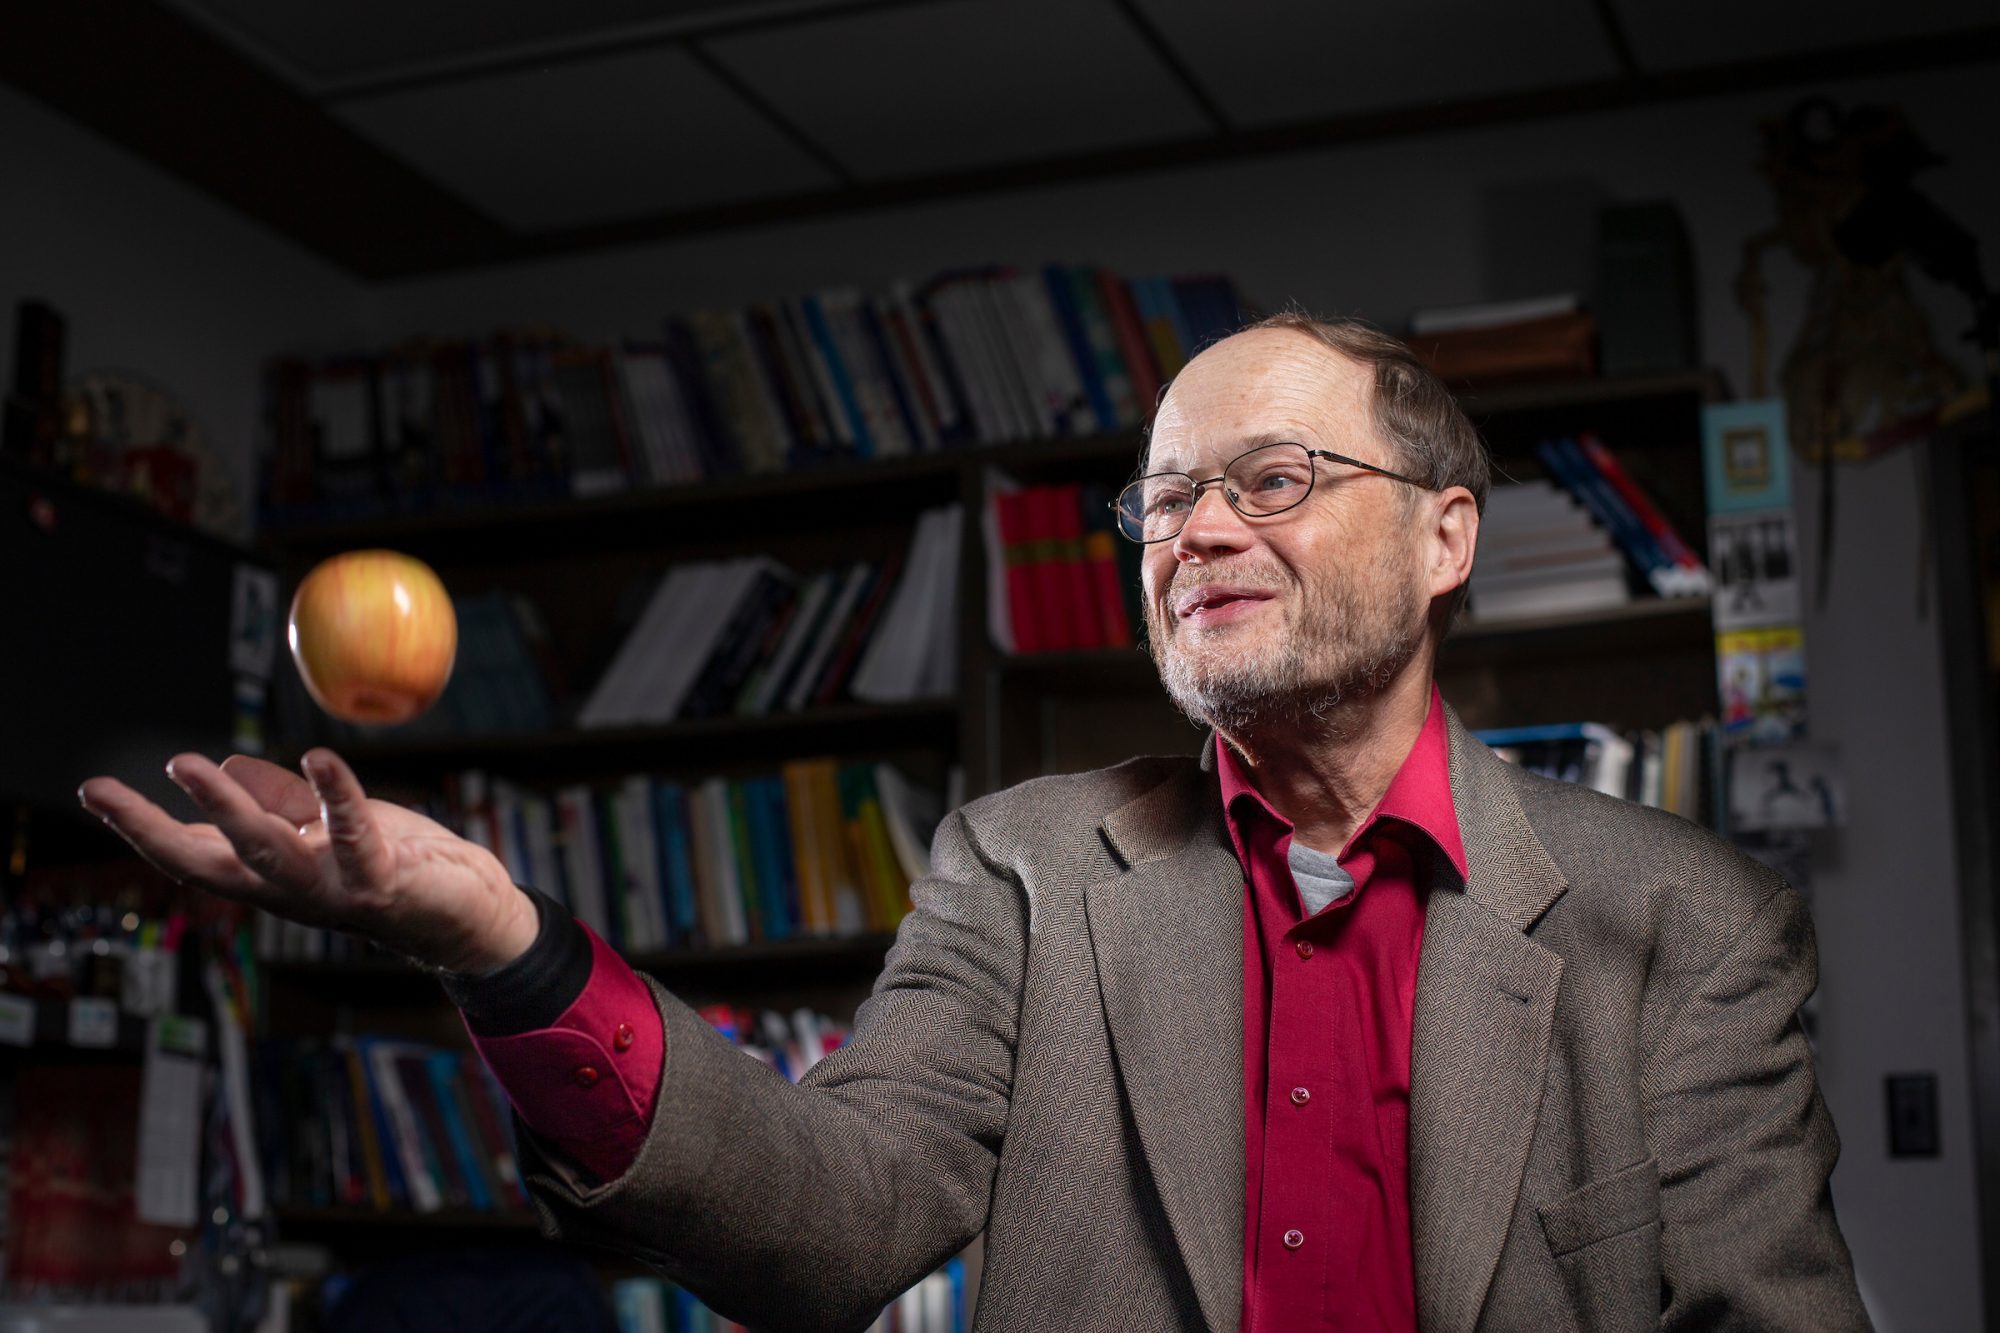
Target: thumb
{"points": [[359, 853]]}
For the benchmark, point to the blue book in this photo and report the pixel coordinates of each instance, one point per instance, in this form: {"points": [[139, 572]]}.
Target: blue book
{"points": [[770, 885], [1590, 490], [1056, 279], [779, 808], [843, 383], [385, 1133], [443, 1065], [676, 861], [954, 1271], [1589, 474], [1547, 733]]}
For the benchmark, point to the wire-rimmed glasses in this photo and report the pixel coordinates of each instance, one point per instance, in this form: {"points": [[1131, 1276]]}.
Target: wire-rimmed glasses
{"points": [[1264, 481]]}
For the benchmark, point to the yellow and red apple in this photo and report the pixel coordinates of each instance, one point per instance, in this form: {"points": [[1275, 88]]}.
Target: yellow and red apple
{"points": [[374, 635]]}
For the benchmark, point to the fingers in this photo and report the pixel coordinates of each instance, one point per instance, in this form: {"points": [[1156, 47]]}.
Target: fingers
{"points": [[274, 787], [198, 854], [358, 849], [267, 843]]}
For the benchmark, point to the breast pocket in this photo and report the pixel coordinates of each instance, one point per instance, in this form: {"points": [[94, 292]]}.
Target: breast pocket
{"points": [[1605, 1237]]}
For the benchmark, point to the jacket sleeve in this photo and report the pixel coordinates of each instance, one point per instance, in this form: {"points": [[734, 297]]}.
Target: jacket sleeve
{"points": [[811, 1206], [1746, 1146]]}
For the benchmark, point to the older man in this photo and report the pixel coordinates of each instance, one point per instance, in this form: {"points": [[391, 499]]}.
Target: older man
{"points": [[1346, 1024]]}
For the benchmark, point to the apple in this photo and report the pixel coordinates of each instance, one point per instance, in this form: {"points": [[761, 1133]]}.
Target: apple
{"points": [[374, 635]]}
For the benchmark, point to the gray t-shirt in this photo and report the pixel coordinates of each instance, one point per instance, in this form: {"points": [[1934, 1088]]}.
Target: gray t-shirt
{"points": [[1318, 874]]}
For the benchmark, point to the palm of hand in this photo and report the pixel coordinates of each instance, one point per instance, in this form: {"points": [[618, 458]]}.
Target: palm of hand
{"points": [[327, 854]]}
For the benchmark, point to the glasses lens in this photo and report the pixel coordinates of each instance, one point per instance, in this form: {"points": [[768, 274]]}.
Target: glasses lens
{"points": [[1271, 479], [1153, 508]]}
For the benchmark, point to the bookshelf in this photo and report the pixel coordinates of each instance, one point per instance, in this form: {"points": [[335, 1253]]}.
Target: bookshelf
{"points": [[1009, 717]]}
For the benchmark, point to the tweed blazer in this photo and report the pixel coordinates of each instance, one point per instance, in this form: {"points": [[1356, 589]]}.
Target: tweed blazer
{"points": [[1614, 1121]]}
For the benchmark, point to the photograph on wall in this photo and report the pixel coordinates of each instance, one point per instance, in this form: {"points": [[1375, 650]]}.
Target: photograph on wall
{"points": [[1785, 787], [1754, 554], [1744, 457], [1761, 676]]}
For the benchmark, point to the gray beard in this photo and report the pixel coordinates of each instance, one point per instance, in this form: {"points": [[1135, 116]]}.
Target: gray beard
{"points": [[1345, 648]]}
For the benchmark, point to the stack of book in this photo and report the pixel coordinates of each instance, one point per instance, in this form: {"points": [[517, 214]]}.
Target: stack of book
{"points": [[1059, 575], [749, 637], [1677, 768], [1575, 541], [1540, 554], [384, 1123], [976, 356]]}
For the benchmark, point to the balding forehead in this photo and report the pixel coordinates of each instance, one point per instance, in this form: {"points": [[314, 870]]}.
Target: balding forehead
{"points": [[1259, 387]]}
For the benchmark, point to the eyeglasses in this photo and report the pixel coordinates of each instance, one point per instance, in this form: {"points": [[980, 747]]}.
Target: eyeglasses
{"points": [[1267, 480]]}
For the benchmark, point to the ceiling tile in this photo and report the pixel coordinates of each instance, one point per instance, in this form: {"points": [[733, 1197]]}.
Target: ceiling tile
{"points": [[588, 141], [356, 37], [1274, 61], [967, 83], [1723, 32]]}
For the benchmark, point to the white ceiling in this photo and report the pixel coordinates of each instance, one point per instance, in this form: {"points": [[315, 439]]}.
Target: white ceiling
{"points": [[545, 116]]}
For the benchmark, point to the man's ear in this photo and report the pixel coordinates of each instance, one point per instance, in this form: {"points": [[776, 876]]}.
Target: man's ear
{"points": [[1454, 537]]}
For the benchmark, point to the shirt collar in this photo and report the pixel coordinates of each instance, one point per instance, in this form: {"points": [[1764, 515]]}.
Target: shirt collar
{"points": [[1419, 795]]}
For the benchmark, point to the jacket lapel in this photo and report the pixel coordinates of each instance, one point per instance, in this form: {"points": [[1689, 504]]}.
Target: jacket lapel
{"points": [[1485, 1012], [1167, 933]]}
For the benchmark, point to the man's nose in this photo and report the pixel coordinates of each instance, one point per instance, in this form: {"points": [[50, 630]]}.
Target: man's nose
{"points": [[1212, 525]]}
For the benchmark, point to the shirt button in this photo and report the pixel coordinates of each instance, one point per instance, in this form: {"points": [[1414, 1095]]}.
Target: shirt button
{"points": [[1300, 1096], [621, 1040], [1305, 948], [585, 1076], [1294, 1239]]}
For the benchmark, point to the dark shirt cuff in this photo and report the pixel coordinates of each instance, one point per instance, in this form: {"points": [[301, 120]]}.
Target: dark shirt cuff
{"points": [[531, 992]]}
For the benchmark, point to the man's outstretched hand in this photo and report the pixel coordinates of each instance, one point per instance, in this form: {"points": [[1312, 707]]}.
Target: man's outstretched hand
{"points": [[325, 853]]}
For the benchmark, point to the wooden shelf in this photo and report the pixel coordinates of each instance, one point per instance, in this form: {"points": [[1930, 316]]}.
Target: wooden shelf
{"points": [[835, 496], [1705, 384], [336, 1217], [803, 961], [694, 746]]}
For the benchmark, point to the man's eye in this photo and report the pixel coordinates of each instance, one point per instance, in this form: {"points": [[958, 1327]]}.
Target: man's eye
{"points": [[1169, 504]]}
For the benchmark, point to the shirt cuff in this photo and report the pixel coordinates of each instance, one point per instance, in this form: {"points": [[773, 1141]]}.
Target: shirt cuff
{"points": [[534, 989], [585, 1081]]}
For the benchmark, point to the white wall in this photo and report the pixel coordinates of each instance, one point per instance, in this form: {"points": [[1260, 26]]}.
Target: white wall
{"points": [[1380, 229], [155, 277]]}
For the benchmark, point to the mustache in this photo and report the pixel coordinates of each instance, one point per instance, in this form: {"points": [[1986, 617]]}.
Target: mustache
{"points": [[1252, 579]]}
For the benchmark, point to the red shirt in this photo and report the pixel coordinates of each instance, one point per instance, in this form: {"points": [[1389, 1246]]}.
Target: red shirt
{"points": [[1327, 1005]]}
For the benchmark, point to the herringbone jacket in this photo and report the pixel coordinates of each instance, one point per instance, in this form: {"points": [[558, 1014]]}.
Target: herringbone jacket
{"points": [[1614, 1122]]}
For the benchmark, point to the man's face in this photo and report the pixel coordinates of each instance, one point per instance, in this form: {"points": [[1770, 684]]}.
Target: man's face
{"points": [[1259, 620]]}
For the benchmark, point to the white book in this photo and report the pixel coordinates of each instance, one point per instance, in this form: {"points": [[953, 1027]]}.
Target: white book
{"points": [[910, 1311], [892, 664], [576, 817], [1017, 341], [940, 677], [798, 637], [912, 815], [513, 852], [829, 636], [402, 1117], [538, 814], [948, 308], [936, 1291], [645, 908], [1492, 314], [1061, 377], [613, 701], [1597, 594], [1013, 390], [642, 422], [680, 649], [728, 884]]}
